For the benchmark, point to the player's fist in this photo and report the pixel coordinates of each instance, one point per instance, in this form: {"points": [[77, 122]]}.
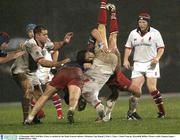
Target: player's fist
{"points": [[68, 36], [154, 61], [126, 64], [61, 63]]}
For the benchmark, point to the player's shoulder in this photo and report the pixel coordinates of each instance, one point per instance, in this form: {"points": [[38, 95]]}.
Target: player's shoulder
{"points": [[133, 31], [30, 43], [153, 30]]}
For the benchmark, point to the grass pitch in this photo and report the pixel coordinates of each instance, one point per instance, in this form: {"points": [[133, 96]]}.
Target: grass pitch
{"points": [[11, 117]]}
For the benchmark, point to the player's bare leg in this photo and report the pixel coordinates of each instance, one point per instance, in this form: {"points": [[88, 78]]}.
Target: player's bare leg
{"points": [[112, 47], [27, 88], [104, 58], [102, 19], [136, 89], [40, 103], [37, 92], [151, 84], [74, 94], [56, 98], [101, 38], [138, 83]]}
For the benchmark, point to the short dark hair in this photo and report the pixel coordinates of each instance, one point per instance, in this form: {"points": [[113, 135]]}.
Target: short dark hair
{"points": [[38, 29], [80, 58]]}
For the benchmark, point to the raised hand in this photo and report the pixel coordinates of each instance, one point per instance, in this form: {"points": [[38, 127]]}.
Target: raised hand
{"points": [[68, 36]]}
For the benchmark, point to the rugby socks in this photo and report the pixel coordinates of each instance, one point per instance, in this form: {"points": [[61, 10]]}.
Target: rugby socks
{"points": [[113, 23], [158, 100], [100, 110], [32, 103], [109, 106], [108, 109], [57, 103], [102, 18], [133, 101]]}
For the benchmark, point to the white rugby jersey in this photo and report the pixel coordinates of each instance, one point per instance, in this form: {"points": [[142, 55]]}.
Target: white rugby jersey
{"points": [[145, 47], [43, 73], [28, 61]]}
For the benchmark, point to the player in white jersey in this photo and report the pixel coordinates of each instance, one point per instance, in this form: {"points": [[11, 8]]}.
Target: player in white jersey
{"points": [[44, 74], [24, 68], [104, 63], [148, 48]]}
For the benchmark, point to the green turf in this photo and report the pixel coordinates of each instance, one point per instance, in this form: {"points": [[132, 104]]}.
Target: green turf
{"points": [[10, 120]]}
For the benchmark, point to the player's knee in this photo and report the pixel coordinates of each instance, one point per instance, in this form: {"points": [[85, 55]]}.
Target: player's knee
{"points": [[28, 93], [136, 90]]}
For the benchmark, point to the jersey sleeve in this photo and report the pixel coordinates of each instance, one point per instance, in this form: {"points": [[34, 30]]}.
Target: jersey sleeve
{"points": [[49, 45], [129, 41], [35, 51], [159, 41]]}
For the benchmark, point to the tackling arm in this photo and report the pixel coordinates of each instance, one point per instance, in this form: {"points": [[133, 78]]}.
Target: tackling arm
{"points": [[46, 63], [10, 56], [66, 40]]}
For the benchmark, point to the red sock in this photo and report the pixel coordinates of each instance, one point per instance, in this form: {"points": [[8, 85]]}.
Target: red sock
{"points": [[113, 23], [158, 100], [40, 113], [102, 13], [32, 104], [57, 103]]}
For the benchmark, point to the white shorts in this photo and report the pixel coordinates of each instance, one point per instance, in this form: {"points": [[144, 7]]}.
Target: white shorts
{"points": [[33, 78], [45, 78], [145, 69], [44, 75], [98, 75]]}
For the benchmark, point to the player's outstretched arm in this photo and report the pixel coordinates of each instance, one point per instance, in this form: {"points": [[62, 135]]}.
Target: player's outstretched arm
{"points": [[66, 40], [10, 56], [46, 63]]}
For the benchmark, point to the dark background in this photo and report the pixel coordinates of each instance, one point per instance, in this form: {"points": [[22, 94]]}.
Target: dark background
{"points": [[80, 16]]}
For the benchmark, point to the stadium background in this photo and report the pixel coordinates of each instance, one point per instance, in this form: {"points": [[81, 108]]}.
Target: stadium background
{"points": [[80, 16]]}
